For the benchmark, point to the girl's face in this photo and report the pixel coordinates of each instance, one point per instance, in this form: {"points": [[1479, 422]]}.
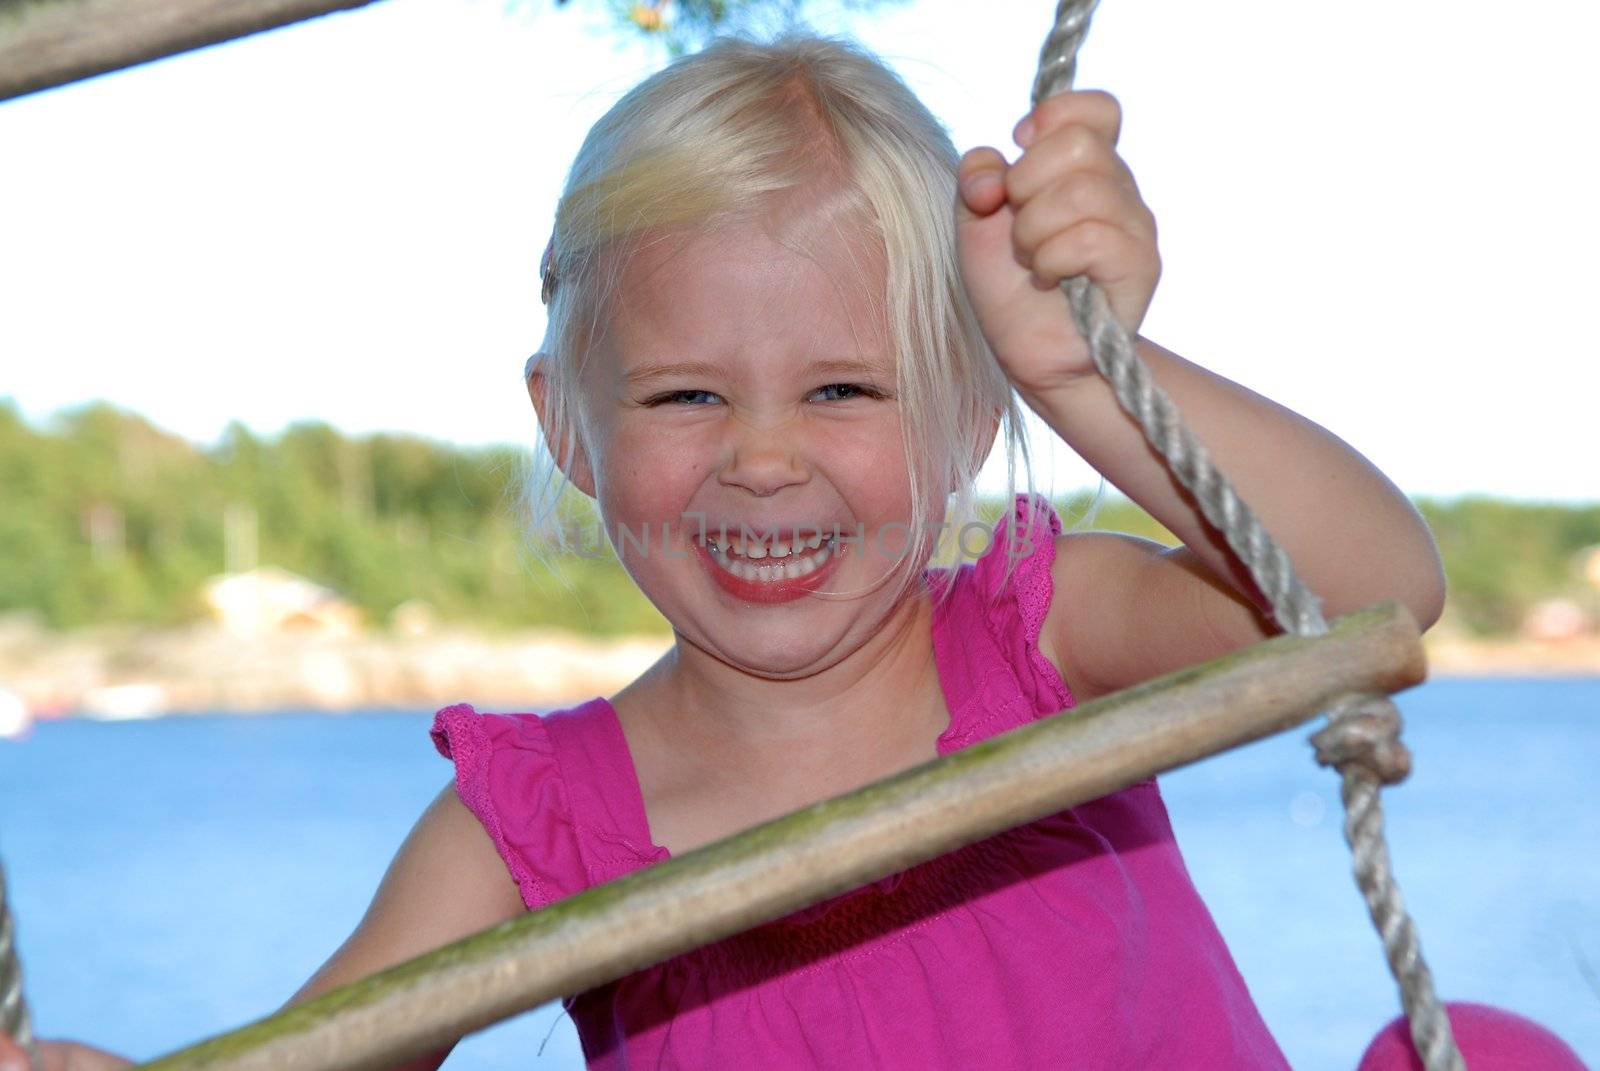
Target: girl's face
{"points": [[741, 410]]}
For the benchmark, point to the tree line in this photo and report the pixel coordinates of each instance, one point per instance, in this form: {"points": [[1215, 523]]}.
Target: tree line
{"points": [[105, 518]]}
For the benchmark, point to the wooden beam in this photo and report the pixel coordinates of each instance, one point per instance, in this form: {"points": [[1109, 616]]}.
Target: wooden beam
{"points": [[46, 43], [772, 870]]}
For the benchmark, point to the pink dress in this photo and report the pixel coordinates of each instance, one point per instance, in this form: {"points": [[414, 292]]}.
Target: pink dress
{"points": [[1078, 941]]}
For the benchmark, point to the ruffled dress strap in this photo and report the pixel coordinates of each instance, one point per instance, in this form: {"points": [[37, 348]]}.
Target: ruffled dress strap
{"points": [[603, 787], [540, 786], [986, 632]]}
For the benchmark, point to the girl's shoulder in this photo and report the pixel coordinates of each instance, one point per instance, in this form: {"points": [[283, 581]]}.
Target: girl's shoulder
{"points": [[1092, 609], [1129, 609], [552, 790]]}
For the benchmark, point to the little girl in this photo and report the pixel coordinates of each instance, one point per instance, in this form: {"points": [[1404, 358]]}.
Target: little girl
{"points": [[785, 324]]}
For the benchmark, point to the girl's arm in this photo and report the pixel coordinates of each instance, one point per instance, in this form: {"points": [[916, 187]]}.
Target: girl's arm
{"points": [[445, 883], [1131, 609], [1127, 609]]}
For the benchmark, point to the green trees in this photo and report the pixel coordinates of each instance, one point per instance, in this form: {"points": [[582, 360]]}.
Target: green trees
{"points": [[106, 518], [1501, 557]]}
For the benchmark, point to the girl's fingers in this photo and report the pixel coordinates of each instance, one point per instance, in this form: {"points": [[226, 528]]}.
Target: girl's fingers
{"points": [[12, 1056], [1067, 150], [1074, 200], [1106, 253], [1097, 110], [981, 179], [1124, 266]]}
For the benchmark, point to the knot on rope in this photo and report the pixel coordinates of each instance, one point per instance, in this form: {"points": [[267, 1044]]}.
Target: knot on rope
{"points": [[1364, 731]]}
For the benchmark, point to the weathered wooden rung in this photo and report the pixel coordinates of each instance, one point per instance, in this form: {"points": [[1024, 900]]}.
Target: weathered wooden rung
{"points": [[45, 43], [805, 857]]}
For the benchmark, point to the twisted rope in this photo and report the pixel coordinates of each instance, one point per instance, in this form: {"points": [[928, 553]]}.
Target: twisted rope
{"points": [[13, 1009], [1362, 738]]}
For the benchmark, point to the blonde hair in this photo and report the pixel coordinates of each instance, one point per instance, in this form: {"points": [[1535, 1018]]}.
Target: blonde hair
{"points": [[711, 141]]}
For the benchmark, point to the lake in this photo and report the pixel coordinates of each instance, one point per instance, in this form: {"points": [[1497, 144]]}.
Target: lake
{"points": [[175, 878]]}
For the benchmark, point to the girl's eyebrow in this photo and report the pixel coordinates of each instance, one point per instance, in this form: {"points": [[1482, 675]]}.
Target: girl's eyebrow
{"points": [[863, 366], [653, 372], [706, 369]]}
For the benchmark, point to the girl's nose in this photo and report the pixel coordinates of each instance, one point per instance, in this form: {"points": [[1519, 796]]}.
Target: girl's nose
{"points": [[764, 461]]}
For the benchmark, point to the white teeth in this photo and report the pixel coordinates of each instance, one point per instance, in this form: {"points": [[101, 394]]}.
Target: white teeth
{"points": [[772, 547], [792, 569]]}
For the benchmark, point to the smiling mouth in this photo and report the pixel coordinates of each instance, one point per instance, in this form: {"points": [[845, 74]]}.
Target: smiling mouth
{"points": [[770, 561]]}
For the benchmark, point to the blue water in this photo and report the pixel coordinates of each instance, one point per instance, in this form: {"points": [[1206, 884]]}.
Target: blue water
{"points": [[175, 878]]}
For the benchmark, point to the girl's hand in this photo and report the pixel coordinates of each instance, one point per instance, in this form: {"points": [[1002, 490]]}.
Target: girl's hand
{"points": [[1068, 206], [59, 1056]]}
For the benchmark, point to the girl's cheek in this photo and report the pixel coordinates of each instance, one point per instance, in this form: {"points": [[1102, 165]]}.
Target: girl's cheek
{"points": [[650, 469], [874, 451]]}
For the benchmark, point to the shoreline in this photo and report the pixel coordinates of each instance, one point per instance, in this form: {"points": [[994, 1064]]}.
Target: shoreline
{"points": [[1459, 656], [114, 674]]}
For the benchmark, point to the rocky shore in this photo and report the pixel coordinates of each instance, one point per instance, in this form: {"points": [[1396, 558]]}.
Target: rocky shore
{"points": [[1460, 656], [132, 673]]}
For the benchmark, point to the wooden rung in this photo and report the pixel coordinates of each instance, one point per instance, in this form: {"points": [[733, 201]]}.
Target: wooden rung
{"points": [[46, 43], [772, 870]]}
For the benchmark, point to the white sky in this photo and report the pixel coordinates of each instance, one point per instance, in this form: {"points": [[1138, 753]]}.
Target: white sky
{"points": [[1383, 215]]}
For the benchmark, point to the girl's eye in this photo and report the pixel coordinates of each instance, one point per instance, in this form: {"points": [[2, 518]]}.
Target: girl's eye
{"points": [[682, 397], [838, 392]]}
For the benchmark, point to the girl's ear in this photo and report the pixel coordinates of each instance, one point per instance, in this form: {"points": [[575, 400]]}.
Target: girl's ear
{"points": [[573, 461]]}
